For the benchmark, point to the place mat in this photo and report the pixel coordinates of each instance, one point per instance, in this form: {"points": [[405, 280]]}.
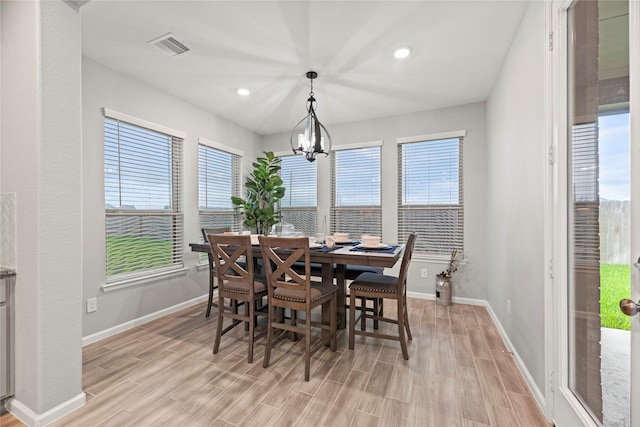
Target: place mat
{"points": [[388, 250], [325, 249], [348, 243]]}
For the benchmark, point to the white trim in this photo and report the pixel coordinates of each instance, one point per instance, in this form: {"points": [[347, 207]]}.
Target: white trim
{"points": [[355, 145], [533, 387], [143, 123], [90, 339], [218, 146], [455, 300], [31, 419], [432, 137], [141, 280]]}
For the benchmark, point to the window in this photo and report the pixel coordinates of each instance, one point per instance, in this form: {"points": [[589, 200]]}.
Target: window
{"points": [[143, 199], [355, 191], [430, 201], [299, 205], [218, 180]]}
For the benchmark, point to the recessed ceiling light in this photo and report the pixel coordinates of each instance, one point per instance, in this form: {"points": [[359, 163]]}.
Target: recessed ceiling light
{"points": [[402, 52], [242, 91]]}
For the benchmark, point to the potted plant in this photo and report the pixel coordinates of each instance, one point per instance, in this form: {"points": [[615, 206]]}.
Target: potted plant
{"points": [[264, 191], [443, 280]]}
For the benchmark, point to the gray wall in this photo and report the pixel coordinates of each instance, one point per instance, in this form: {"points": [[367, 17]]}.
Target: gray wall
{"points": [[102, 87], [515, 197], [41, 163], [470, 281]]}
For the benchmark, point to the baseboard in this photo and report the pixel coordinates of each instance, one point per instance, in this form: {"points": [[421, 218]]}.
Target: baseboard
{"points": [[457, 300], [533, 387], [31, 419], [90, 339]]}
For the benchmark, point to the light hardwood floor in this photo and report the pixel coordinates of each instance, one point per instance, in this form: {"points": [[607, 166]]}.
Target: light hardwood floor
{"points": [[164, 373]]}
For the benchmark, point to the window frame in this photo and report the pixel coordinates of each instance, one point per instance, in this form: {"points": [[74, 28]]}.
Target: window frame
{"points": [[237, 160], [401, 208], [176, 211], [375, 210], [309, 228]]}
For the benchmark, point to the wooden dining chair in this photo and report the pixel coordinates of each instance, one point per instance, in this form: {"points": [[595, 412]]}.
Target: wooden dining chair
{"points": [[380, 287], [237, 282], [212, 265], [296, 292]]}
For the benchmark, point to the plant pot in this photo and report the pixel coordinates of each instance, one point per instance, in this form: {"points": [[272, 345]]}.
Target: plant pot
{"points": [[443, 290]]}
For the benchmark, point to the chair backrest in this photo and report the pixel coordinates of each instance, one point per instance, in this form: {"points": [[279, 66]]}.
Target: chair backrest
{"points": [[279, 255], [218, 230], [406, 260], [226, 252]]}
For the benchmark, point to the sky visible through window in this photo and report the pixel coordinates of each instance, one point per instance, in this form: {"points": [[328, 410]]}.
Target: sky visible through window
{"points": [[614, 157]]}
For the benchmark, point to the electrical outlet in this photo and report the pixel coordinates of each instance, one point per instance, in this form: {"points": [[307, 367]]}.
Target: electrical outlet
{"points": [[92, 305], [509, 307], [424, 273]]}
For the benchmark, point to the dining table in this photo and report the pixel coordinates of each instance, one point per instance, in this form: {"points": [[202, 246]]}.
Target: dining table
{"points": [[339, 256]]}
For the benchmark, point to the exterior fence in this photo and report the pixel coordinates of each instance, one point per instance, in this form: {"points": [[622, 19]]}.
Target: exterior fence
{"points": [[615, 221]]}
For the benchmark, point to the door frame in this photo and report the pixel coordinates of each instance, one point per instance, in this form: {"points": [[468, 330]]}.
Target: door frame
{"points": [[561, 404]]}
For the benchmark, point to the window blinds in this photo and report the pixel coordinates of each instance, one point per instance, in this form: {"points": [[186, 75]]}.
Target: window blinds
{"points": [[430, 194], [218, 180], [299, 205], [355, 191], [143, 200]]}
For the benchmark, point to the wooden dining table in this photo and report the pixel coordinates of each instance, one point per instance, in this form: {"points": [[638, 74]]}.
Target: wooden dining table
{"points": [[341, 256]]}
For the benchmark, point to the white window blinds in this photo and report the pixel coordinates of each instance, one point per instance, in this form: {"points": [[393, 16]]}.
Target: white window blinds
{"points": [[218, 180], [143, 200], [299, 205], [355, 191], [430, 200]]}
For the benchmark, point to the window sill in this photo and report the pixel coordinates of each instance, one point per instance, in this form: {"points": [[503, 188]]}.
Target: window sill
{"points": [[435, 258], [141, 280]]}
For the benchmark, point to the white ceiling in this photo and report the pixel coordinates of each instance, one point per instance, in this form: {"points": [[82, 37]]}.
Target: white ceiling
{"points": [[268, 46]]}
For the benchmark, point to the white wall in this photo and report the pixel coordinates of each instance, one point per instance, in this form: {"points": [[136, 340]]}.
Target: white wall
{"points": [[102, 87], [470, 281], [41, 163], [515, 165]]}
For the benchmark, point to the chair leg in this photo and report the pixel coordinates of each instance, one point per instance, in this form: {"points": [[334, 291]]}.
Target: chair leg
{"points": [[352, 319], [210, 300], [307, 346], [363, 314], [403, 342], [251, 307], [333, 322], [294, 322], [376, 313], [406, 321], [246, 313], [267, 351], [216, 345]]}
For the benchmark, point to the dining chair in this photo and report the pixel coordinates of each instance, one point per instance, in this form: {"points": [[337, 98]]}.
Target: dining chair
{"points": [[296, 292], [212, 265], [237, 282], [380, 287]]}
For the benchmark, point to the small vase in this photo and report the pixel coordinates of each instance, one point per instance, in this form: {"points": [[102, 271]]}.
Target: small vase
{"points": [[443, 290]]}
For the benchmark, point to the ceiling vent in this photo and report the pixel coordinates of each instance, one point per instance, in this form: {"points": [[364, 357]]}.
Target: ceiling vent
{"points": [[169, 45]]}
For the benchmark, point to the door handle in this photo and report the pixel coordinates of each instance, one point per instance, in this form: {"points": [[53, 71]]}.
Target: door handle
{"points": [[629, 307]]}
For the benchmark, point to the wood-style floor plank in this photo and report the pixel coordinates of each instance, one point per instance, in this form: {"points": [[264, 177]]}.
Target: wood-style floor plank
{"points": [[164, 372]]}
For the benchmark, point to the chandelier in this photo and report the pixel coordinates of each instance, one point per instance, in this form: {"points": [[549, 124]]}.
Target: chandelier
{"points": [[308, 136]]}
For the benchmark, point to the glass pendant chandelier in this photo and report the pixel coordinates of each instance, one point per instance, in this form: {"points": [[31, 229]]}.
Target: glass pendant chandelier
{"points": [[309, 136]]}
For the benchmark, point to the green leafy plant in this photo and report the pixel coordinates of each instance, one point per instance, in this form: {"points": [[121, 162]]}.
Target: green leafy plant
{"points": [[264, 191]]}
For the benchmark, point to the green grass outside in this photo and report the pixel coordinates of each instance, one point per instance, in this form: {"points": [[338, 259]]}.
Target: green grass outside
{"points": [[125, 253], [614, 285]]}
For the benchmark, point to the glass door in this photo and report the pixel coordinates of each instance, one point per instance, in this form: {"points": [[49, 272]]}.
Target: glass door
{"points": [[602, 211]]}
